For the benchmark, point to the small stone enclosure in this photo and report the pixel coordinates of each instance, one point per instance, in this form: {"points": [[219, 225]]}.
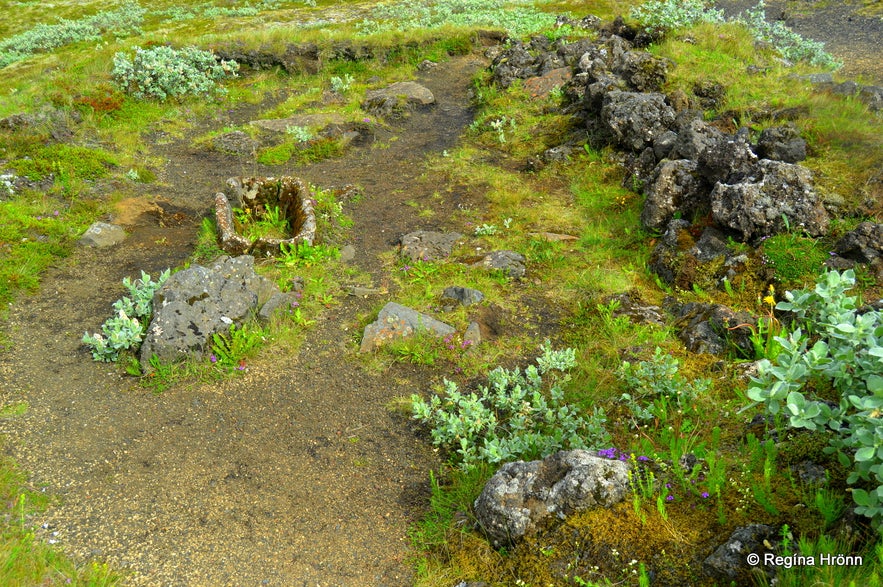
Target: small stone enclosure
{"points": [[290, 194]]}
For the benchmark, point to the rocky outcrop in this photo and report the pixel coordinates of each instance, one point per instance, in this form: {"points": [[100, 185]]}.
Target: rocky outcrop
{"points": [[523, 495], [776, 197], [195, 304]]}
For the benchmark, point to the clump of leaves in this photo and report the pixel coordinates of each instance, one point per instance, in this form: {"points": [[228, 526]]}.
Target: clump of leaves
{"points": [[834, 349], [163, 72], [517, 415], [125, 331], [656, 385]]}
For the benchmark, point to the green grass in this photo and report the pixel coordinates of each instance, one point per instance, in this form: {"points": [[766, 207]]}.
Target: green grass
{"points": [[582, 197]]}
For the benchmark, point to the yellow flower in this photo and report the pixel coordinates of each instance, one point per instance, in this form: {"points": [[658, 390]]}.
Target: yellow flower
{"points": [[769, 300]]}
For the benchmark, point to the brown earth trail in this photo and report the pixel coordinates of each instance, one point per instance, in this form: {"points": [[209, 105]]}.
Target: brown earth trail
{"points": [[296, 472]]}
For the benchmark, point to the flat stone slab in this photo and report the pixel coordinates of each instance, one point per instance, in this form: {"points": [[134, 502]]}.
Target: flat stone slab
{"points": [[102, 234], [304, 120], [397, 321]]}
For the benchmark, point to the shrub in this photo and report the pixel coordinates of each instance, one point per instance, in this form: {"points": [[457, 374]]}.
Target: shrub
{"points": [[790, 44], [517, 415], [674, 14], [126, 329], [656, 384], [163, 72], [834, 351], [46, 37]]}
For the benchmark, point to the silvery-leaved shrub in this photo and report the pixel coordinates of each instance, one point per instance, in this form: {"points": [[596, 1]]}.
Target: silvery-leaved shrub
{"points": [[834, 348], [125, 330], [517, 415], [122, 22], [790, 44], [164, 72], [674, 14]]}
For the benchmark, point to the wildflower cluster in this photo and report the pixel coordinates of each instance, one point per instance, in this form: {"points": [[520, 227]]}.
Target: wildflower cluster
{"points": [[125, 330], [516, 415], [163, 72]]}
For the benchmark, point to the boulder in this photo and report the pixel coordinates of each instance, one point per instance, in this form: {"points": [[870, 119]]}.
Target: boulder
{"points": [[863, 244], [464, 295], [102, 234], [728, 563], [396, 321], [509, 262], [727, 159], [675, 186], [714, 329], [642, 71], [397, 99], [522, 495], [776, 197], [636, 119], [195, 304], [236, 142], [781, 143], [427, 245]]}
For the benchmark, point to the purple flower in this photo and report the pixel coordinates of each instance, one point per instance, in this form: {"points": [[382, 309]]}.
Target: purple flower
{"points": [[642, 458], [668, 485], [704, 495], [669, 498], [366, 120], [240, 368], [55, 213], [405, 268], [607, 453], [213, 358]]}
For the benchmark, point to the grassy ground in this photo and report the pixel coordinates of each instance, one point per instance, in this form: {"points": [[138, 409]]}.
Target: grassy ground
{"points": [[583, 198]]}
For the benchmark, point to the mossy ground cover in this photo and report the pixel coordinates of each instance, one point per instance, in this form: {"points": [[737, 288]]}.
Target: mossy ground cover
{"points": [[582, 198]]}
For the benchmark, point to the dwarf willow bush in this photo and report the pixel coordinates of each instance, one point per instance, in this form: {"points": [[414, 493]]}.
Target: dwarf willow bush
{"points": [[657, 384], [164, 72], [408, 15], [834, 350], [126, 329], [791, 45], [124, 21], [675, 14], [517, 415]]}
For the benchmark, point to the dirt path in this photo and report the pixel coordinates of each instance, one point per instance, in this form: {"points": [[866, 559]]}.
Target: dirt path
{"points": [[296, 472]]}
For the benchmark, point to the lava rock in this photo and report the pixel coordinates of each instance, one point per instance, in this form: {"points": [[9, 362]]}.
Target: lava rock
{"points": [[522, 495]]}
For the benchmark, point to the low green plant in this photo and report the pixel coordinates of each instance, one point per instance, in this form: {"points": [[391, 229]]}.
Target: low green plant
{"points": [[268, 223], [125, 331], [231, 349], [163, 72], [796, 259], [656, 384], [207, 248], [301, 134], [304, 255], [340, 85], [834, 351], [517, 415]]}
